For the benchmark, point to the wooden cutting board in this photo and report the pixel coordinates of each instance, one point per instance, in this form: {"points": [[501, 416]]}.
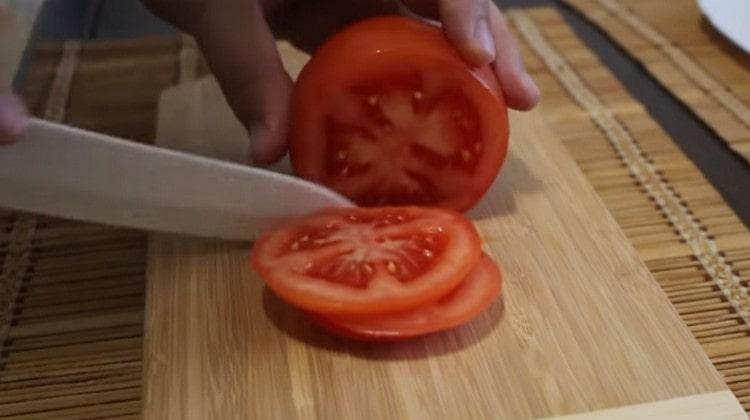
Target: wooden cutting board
{"points": [[581, 326]]}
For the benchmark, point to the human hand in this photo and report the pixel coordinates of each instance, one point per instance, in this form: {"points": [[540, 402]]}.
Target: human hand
{"points": [[479, 31], [13, 118], [237, 39]]}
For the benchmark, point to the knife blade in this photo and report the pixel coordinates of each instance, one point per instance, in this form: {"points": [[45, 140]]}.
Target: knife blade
{"points": [[67, 172]]}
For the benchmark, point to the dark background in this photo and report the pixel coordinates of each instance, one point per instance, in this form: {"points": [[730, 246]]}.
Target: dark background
{"points": [[728, 172]]}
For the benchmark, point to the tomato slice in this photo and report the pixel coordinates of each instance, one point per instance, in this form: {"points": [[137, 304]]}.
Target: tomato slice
{"points": [[387, 113], [471, 297], [359, 261]]}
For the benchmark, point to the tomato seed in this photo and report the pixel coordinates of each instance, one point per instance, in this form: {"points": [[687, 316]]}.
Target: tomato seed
{"points": [[465, 155], [368, 269], [391, 267], [418, 95], [372, 100], [432, 229], [427, 253]]}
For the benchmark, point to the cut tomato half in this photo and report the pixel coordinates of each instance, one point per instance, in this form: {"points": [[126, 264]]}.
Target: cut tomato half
{"points": [[387, 113], [358, 261], [470, 298]]}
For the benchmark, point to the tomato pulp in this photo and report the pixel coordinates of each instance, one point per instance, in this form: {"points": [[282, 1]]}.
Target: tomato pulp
{"points": [[366, 261], [387, 113]]}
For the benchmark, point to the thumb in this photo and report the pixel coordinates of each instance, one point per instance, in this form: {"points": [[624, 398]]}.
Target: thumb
{"points": [[241, 51], [465, 22]]}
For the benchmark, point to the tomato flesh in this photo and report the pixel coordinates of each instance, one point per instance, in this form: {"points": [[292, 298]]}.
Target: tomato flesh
{"points": [[387, 113], [367, 260], [409, 148], [472, 296]]}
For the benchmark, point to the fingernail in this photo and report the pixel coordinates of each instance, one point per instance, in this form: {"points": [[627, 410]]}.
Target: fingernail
{"points": [[484, 41], [531, 89]]}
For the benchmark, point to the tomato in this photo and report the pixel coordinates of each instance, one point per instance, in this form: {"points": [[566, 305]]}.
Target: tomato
{"points": [[358, 261], [387, 113], [470, 298]]}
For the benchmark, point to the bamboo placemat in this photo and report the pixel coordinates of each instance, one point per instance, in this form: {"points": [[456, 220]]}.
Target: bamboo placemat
{"points": [[690, 239], [686, 54], [74, 295]]}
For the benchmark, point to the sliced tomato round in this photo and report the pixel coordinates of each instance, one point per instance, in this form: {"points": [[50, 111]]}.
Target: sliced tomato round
{"points": [[359, 261], [471, 297], [387, 113]]}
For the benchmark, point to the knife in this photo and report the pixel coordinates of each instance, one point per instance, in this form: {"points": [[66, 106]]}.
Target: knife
{"points": [[67, 172]]}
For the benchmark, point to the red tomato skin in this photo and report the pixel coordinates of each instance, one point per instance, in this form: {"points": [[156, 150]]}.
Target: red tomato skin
{"points": [[352, 51], [383, 34], [492, 285]]}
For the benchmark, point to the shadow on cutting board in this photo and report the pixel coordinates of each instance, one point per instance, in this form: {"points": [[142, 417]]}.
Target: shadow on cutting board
{"points": [[515, 178], [297, 326]]}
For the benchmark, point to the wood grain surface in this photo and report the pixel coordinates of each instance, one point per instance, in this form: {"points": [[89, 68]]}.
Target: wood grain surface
{"points": [[715, 405], [581, 326]]}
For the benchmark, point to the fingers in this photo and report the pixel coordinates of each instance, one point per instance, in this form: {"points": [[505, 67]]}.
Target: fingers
{"points": [[465, 22], [520, 91], [13, 118], [241, 52], [479, 31]]}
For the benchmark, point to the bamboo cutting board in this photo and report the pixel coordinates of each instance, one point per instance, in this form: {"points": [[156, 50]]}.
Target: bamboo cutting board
{"points": [[581, 326]]}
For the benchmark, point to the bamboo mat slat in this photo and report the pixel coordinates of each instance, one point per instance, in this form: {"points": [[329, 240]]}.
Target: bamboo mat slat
{"points": [[687, 55], [72, 342]]}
